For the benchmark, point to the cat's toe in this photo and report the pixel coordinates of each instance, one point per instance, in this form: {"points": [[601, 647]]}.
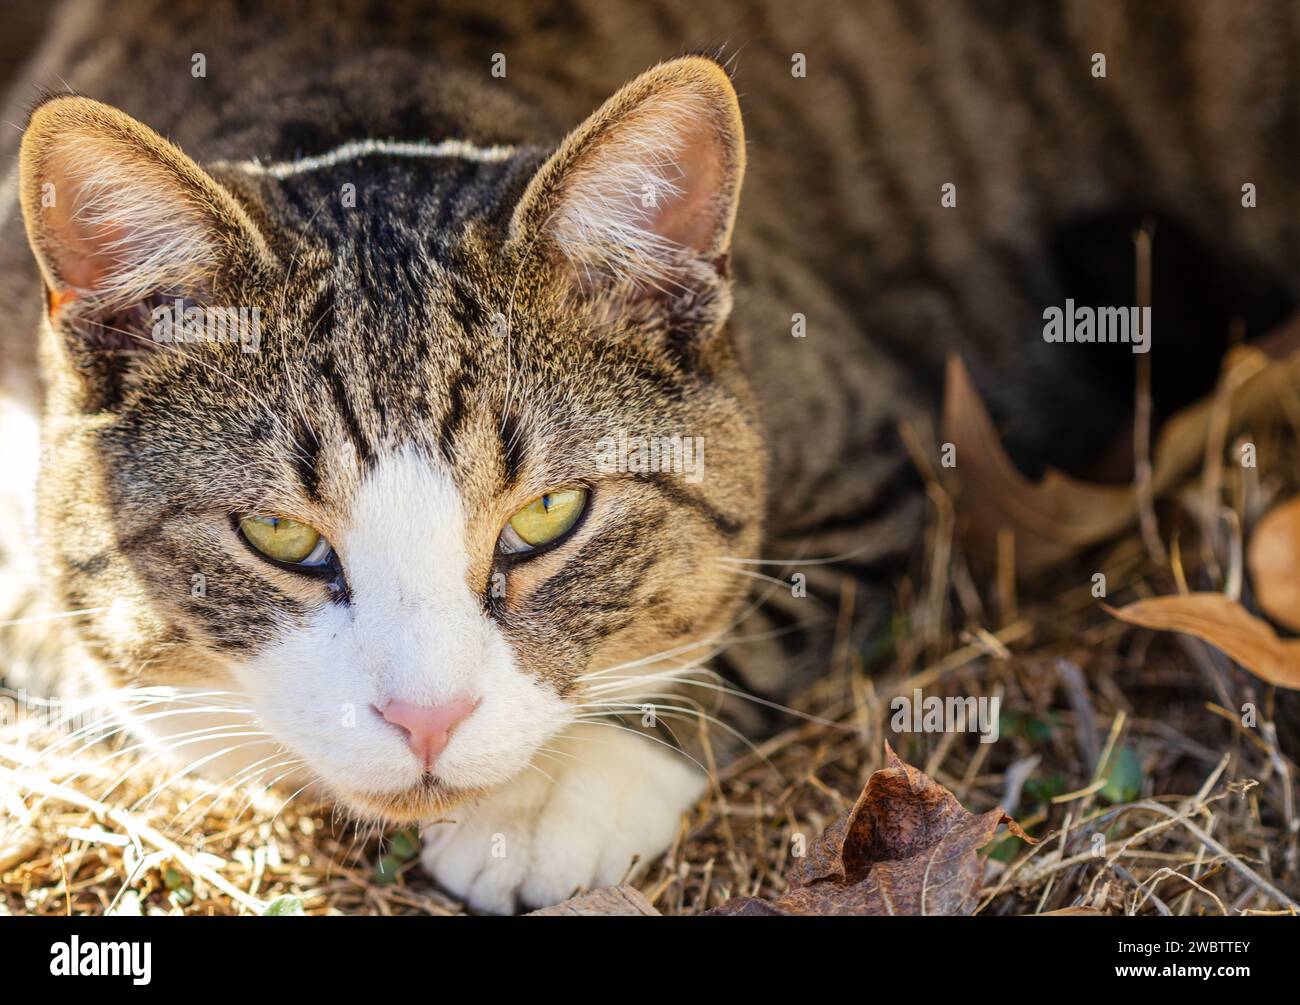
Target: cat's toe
{"points": [[482, 856], [536, 842], [592, 835], [461, 862]]}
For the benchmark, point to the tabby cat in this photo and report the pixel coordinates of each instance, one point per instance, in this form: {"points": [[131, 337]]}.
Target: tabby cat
{"points": [[399, 541]]}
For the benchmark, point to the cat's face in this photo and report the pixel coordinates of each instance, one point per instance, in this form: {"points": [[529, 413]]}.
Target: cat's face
{"points": [[403, 515]]}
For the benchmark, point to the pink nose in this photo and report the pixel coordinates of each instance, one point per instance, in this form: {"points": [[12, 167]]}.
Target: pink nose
{"points": [[428, 728]]}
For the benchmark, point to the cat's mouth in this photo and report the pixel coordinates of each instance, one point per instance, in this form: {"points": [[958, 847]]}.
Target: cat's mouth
{"points": [[422, 802]]}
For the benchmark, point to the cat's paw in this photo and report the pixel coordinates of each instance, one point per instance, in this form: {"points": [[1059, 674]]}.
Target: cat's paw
{"points": [[610, 796]]}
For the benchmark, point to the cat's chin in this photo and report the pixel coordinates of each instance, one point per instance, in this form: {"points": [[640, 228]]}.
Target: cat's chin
{"points": [[421, 803]]}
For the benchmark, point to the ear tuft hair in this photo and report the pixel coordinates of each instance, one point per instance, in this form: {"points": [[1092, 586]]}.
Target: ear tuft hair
{"points": [[647, 187], [115, 213]]}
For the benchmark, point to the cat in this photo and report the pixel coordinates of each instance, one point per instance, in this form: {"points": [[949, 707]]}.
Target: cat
{"points": [[400, 540]]}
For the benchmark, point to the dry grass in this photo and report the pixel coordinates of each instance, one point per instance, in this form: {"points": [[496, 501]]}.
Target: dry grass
{"points": [[1208, 824], [1212, 830]]}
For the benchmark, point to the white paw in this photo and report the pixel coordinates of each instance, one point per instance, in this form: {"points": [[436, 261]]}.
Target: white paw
{"points": [[535, 841]]}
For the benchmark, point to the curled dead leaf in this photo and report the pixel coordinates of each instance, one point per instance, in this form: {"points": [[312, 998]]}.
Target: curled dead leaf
{"points": [[1052, 519], [1058, 516], [906, 847], [606, 902], [1273, 557], [1226, 625]]}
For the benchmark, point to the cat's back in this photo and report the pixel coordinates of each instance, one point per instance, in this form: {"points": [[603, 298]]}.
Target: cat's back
{"points": [[859, 118]]}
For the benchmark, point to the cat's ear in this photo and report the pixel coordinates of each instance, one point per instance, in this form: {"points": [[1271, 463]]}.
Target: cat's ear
{"points": [[117, 215], [641, 198]]}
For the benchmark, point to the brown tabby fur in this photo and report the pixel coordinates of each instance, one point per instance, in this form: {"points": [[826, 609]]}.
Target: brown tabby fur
{"points": [[379, 322]]}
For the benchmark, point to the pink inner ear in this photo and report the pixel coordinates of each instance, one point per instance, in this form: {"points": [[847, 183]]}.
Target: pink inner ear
{"points": [[691, 217], [85, 262], [87, 255], [119, 225]]}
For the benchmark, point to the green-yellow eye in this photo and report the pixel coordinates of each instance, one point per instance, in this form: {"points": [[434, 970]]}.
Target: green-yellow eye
{"points": [[285, 540], [543, 521]]}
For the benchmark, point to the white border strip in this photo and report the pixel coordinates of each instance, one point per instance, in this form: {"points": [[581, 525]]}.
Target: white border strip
{"points": [[462, 149]]}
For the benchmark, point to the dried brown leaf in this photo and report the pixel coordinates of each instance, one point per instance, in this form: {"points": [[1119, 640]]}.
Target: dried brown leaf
{"points": [[606, 902], [1273, 557], [1058, 516], [1053, 518], [906, 847], [1226, 625]]}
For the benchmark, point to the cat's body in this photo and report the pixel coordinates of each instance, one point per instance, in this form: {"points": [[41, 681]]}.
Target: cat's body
{"points": [[386, 395]]}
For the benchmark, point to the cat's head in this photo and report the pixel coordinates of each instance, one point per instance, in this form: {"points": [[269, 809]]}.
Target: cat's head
{"points": [[467, 428]]}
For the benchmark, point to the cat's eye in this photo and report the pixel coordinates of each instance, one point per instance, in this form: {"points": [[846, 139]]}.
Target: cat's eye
{"points": [[286, 541], [543, 521]]}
